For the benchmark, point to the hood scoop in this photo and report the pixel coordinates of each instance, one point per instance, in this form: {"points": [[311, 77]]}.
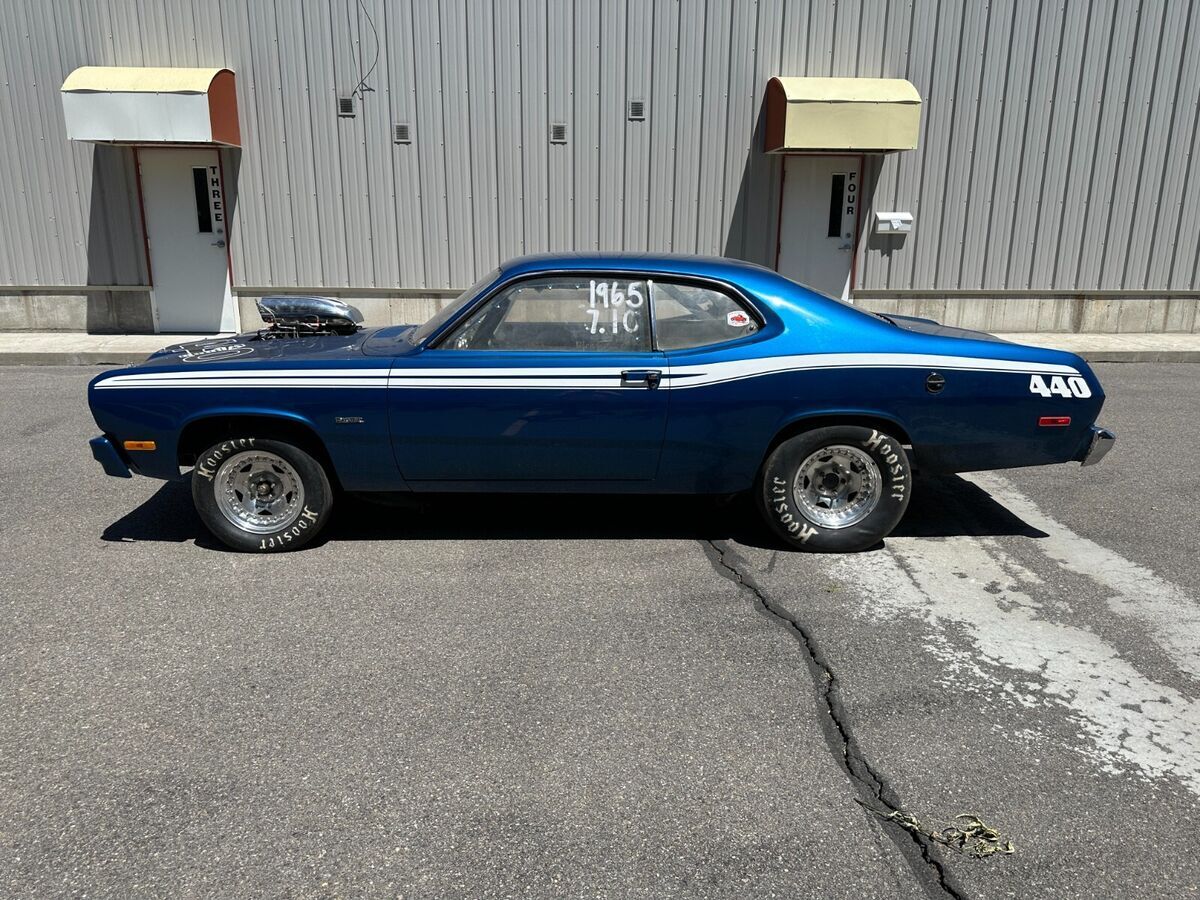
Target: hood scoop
{"points": [[299, 316]]}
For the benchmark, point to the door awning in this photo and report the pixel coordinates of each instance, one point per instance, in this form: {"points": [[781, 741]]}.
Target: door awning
{"points": [[112, 105], [866, 115]]}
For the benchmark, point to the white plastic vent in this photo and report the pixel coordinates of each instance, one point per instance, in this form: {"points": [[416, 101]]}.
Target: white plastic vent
{"points": [[558, 132], [637, 110], [345, 106], [402, 133]]}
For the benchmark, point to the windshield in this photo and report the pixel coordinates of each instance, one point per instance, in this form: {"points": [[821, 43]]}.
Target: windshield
{"points": [[443, 315]]}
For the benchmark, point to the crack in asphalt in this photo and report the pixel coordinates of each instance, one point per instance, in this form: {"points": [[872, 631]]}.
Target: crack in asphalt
{"points": [[877, 795]]}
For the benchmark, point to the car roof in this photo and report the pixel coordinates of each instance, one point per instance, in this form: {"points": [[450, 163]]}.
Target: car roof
{"points": [[675, 263]]}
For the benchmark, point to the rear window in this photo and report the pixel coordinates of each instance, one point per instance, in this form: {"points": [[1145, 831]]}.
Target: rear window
{"points": [[688, 316]]}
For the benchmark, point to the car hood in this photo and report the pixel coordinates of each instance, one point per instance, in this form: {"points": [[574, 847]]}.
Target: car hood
{"points": [[255, 347]]}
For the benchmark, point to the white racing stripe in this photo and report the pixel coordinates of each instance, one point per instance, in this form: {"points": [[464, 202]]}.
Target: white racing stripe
{"points": [[718, 373], [576, 377], [255, 383], [608, 383], [1029, 642], [202, 375]]}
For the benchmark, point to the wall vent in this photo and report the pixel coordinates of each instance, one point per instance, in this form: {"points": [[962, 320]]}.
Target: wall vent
{"points": [[402, 133], [558, 132], [637, 110], [346, 106]]}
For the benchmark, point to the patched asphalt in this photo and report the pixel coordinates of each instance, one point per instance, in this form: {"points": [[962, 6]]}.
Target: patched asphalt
{"points": [[556, 696]]}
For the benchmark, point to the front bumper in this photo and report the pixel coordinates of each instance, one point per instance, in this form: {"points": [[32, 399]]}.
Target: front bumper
{"points": [[109, 458], [1101, 442]]}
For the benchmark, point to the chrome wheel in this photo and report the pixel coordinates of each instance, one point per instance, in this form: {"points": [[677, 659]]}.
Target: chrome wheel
{"points": [[259, 492], [837, 486]]}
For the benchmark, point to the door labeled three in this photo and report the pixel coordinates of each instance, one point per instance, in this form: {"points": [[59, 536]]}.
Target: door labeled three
{"points": [[818, 221], [186, 229]]}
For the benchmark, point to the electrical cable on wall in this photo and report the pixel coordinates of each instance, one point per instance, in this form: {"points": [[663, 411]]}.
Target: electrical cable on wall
{"points": [[362, 87]]}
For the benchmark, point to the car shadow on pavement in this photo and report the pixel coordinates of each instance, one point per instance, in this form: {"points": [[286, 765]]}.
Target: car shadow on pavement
{"points": [[951, 506], [168, 516], [942, 506]]}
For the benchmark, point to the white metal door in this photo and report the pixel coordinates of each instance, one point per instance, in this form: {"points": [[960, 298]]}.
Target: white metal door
{"points": [[186, 227], [817, 222]]}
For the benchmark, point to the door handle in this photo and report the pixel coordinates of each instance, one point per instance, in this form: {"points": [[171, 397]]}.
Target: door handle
{"points": [[218, 243], [647, 378]]}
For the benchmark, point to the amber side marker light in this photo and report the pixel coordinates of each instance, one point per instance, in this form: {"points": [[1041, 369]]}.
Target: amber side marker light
{"points": [[139, 445], [1054, 421]]}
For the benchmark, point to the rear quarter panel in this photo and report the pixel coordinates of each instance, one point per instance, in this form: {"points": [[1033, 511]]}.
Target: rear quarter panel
{"points": [[837, 362]]}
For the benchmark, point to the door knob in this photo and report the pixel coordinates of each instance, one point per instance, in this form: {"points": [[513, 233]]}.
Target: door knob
{"points": [[218, 243]]}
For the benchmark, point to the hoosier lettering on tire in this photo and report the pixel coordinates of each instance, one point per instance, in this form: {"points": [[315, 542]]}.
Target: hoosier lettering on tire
{"points": [[257, 494], [836, 489]]}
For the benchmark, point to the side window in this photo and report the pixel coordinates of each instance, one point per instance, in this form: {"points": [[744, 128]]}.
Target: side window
{"points": [[560, 313], [690, 316]]}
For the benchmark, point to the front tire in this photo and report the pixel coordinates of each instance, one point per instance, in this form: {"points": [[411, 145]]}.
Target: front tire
{"points": [[261, 495], [838, 489]]}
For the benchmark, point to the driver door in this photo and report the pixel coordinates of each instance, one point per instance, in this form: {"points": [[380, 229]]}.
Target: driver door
{"points": [[552, 379]]}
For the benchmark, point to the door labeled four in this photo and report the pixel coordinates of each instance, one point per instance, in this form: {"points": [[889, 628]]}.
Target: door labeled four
{"points": [[186, 230], [818, 222]]}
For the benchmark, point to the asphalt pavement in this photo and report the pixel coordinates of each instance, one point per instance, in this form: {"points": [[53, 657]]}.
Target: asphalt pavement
{"points": [[601, 697]]}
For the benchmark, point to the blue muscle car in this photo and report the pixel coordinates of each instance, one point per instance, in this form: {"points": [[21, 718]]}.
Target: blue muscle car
{"points": [[593, 373]]}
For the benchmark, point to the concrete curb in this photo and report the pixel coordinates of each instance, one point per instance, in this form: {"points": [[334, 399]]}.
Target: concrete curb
{"points": [[1142, 356], [72, 358]]}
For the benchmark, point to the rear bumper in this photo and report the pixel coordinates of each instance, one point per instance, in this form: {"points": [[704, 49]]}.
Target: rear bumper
{"points": [[109, 458], [1101, 442]]}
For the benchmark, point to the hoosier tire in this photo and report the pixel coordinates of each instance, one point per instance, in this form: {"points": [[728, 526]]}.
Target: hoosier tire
{"points": [[261, 495], [838, 489]]}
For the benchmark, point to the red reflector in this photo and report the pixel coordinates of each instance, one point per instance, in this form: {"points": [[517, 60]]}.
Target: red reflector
{"points": [[1054, 421]]}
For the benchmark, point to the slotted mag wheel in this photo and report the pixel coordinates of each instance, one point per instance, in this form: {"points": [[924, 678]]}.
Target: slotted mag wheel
{"points": [[259, 492]]}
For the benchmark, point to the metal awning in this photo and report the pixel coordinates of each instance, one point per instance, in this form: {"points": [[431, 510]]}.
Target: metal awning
{"points": [[866, 115], [112, 105]]}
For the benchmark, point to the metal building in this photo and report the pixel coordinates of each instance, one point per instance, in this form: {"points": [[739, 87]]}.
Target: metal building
{"points": [[1012, 164]]}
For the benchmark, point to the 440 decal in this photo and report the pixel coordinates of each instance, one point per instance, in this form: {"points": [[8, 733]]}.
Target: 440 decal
{"points": [[1058, 386]]}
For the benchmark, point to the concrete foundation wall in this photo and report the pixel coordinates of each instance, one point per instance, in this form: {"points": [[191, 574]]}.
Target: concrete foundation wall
{"points": [[1106, 315], [129, 312], [1110, 314], [95, 312]]}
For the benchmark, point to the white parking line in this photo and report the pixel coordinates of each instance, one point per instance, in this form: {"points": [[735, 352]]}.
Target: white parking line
{"points": [[1164, 609], [972, 586]]}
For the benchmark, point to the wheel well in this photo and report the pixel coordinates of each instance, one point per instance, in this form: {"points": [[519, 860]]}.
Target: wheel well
{"points": [[895, 429], [201, 434]]}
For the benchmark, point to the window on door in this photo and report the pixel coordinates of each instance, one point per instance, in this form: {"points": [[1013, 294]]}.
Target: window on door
{"points": [[560, 313], [837, 190], [203, 210]]}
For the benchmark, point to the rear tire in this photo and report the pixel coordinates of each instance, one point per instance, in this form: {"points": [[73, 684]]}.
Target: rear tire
{"points": [[260, 495], [838, 489]]}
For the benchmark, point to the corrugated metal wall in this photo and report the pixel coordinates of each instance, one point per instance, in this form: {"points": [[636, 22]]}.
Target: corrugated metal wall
{"points": [[1058, 147]]}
